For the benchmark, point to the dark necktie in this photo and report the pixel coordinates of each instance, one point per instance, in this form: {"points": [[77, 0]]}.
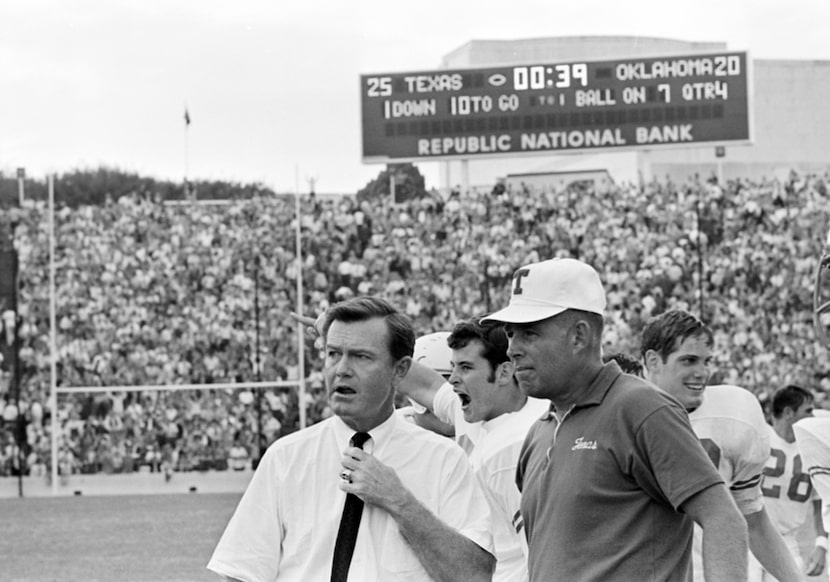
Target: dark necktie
{"points": [[349, 524]]}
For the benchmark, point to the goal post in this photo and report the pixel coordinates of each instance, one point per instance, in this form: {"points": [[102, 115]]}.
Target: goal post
{"points": [[298, 384]]}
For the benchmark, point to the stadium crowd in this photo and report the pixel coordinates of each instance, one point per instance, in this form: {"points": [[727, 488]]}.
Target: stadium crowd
{"points": [[155, 294]]}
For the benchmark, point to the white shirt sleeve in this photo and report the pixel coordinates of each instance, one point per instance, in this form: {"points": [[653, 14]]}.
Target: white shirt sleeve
{"points": [[446, 405], [465, 506], [251, 546]]}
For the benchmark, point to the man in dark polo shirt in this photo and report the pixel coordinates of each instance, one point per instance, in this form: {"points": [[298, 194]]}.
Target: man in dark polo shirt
{"points": [[613, 478]]}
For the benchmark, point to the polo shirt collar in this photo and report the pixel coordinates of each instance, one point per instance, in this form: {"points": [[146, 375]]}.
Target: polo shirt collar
{"points": [[598, 387]]}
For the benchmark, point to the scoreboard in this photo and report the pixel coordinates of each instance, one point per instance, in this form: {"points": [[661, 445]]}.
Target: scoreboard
{"points": [[557, 107]]}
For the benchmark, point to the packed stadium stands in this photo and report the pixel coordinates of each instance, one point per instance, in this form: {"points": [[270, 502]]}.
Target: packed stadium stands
{"points": [[151, 294]]}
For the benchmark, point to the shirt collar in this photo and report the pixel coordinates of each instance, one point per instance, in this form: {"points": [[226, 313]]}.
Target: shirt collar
{"points": [[494, 423], [380, 434], [600, 385], [596, 391]]}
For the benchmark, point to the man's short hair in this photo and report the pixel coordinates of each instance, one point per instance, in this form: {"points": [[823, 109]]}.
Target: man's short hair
{"points": [[627, 363], [665, 332], [595, 321], [356, 309], [492, 338], [790, 396]]}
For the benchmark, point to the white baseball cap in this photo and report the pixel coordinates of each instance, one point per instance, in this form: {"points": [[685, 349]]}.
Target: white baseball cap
{"points": [[542, 290]]}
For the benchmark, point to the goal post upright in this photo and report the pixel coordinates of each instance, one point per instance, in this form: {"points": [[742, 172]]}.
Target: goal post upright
{"points": [[301, 394]]}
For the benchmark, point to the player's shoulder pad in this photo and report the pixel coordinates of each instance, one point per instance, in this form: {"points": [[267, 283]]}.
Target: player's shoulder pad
{"points": [[817, 427], [732, 401]]}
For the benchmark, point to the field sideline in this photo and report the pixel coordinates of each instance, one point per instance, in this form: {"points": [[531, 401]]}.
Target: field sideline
{"points": [[129, 538], [160, 535]]}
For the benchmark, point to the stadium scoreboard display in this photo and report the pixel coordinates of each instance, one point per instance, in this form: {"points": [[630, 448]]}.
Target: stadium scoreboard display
{"points": [[530, 109]]}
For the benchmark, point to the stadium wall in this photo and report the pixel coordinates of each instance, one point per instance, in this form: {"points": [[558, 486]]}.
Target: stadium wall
{"points": [[138, 483], [789, 104], [600, 180]]}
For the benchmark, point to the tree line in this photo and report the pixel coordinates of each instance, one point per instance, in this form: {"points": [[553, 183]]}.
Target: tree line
{"points": [[96, 186]]}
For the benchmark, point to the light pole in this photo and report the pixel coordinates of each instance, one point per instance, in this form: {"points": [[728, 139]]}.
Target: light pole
{"points": [[700, 258], [11, 337]]}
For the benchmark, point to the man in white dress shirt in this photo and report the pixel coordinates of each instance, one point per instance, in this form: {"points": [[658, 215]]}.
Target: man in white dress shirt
{"points": [[491, 416], [425, 516]]}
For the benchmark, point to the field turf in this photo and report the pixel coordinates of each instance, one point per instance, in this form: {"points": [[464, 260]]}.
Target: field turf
{"points": [[153, 538], [124, 538]]}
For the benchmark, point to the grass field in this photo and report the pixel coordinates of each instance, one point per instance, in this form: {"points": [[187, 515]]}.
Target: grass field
{"points": [[124, 538], [154, 538]]}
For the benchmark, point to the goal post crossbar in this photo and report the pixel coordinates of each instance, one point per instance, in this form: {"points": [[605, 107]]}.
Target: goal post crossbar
{"points": [[172, 387]]}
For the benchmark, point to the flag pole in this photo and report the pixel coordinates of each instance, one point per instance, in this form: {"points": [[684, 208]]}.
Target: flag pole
{"points": [[186, 151]]}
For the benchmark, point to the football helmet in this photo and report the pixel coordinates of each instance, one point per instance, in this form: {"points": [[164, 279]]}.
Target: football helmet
{"points": [[432, 351]]}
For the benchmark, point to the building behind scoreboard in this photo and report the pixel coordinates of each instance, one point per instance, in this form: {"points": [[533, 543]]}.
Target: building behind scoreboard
{"points": [[791, 118]]}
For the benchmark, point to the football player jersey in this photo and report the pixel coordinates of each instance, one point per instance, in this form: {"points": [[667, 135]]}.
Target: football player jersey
{"points": [[730, 424], [731, 427], [493, 448], [788, 493], [813, 438]]}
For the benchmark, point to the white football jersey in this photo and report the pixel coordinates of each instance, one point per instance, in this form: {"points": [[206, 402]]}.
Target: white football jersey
{"points": [[813, 438], [493, 448], [788, 493], [731, 427], [730, 424]]}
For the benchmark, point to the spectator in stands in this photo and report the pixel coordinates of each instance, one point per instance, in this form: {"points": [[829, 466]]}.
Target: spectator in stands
{"points": [[154, 294]]}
